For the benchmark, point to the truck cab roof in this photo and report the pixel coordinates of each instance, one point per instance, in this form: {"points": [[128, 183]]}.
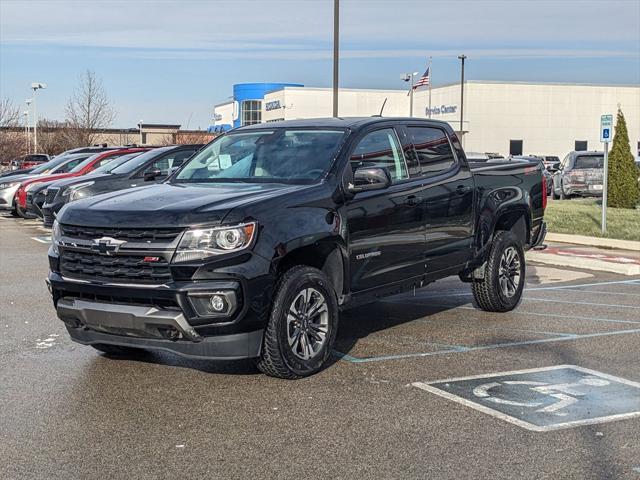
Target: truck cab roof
{"points": [[352, 123]]}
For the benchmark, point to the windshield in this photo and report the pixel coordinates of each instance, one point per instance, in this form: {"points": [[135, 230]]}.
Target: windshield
{"points": [[139, 161], [82, 165], [110, 167], [592, 161], [45, 167], [298, 156]]}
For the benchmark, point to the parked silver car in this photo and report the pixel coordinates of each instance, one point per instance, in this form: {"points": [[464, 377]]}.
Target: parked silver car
{"points": [[579, 174]]}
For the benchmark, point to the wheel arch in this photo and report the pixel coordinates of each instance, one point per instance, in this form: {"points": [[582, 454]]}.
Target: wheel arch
{"points": [[515, 220], [326, 255]]}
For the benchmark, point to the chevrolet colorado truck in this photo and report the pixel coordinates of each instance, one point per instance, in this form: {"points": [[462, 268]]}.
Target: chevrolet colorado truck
{"points": [[252, 247]]}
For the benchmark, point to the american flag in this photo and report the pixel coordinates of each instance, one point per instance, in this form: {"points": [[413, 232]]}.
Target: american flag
{"points": [[424, 79]]}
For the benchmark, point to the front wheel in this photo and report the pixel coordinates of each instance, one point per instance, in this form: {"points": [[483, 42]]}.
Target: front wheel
{"points": [[302, 326], [501, 288]]}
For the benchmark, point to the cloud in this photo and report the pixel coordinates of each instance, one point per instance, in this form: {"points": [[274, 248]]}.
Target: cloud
{"points": [[284, 28], [326, 54]]}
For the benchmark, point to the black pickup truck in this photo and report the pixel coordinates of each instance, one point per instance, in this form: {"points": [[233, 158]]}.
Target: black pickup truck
{"points": [[252, 248]]}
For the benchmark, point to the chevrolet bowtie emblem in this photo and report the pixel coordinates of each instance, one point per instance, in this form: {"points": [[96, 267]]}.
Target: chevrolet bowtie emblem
{"points": [[107, 245]]}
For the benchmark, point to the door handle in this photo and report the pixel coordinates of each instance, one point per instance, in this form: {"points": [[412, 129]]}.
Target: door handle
{"points": [[461, 189], [413, 200]]}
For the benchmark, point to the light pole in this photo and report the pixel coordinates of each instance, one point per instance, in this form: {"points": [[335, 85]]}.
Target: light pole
{"points": [[462, 59], [140, 128], [336, 53], [25, 115], [408, 77], [28, 102], [35, 86]]}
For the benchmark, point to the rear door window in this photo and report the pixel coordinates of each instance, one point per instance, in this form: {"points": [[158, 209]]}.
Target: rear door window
{"points": [[433, 150]]}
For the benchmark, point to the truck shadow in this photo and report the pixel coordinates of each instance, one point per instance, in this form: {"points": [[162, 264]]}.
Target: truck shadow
{"points": [[358, 323], [225, 367]]}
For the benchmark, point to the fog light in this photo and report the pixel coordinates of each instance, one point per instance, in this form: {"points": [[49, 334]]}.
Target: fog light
{"points": [[221, 303], [217, 303]]}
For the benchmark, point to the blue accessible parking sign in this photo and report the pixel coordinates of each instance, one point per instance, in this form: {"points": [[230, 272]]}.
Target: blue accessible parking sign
{"points": [[606, 123]]}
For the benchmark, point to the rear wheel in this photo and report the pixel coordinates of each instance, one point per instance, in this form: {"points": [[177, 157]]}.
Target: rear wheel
{"points": [[501, 288], [302, 326]]}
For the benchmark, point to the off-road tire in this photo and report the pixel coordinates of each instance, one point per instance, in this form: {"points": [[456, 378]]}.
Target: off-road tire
{"points": [[487, 291], [277, 358], [116, 350]]}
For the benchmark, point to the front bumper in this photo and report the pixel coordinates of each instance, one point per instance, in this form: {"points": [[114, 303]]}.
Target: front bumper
{"points": [[49, 211], [169, 316], [31, 207], [91, 322], [7, 196]]}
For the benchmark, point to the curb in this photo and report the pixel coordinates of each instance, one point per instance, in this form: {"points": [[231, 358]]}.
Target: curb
{"points": [[584, 263], [593, 241]]}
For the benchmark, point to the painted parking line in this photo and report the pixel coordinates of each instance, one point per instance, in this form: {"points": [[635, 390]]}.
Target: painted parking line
{"points": [[635, 281], [462, 349], [524, 312], [603, 292], [614, 305], [573, 288], [42, 239], [544, 399]]}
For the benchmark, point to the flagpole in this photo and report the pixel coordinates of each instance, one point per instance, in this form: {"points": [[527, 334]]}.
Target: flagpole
{"points": [[430, 82]]}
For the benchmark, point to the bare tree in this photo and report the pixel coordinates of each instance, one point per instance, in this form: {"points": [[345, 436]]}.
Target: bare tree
{"points": [[88, 111], [12, 139], [54, 137], [9, 113]]}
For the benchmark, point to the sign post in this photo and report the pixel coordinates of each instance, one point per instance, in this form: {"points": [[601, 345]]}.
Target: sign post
{"points": [[606, 127]]}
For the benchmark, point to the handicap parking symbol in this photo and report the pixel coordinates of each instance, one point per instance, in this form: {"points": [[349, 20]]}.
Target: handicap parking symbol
{"points": [[544, 399], [605, 133]]}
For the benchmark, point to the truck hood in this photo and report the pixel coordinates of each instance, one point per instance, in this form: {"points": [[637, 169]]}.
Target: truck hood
{"points": [[169, 205], [67, 182]]}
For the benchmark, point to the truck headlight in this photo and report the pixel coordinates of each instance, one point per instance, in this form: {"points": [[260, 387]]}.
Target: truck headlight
{"points": [[56, 235], [206, 242], [75, 192]]}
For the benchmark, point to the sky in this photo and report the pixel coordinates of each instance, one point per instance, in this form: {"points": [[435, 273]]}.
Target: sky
{"points": [[170, 61]]}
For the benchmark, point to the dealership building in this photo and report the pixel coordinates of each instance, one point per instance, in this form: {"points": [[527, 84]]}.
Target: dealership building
{"points": [[501, 117]]}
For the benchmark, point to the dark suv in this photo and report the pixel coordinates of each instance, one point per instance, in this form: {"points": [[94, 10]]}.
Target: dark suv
{"points": [[579, 174], [145, 169]]}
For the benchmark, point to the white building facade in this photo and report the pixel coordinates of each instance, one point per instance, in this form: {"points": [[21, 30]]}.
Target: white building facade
{"points": [[499, 117], [532, 118]]}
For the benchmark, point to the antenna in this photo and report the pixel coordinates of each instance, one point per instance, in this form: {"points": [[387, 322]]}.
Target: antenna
{"points": [[381, 108]]}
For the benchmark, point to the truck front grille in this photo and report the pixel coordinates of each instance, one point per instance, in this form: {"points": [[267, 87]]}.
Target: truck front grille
{"points": [[39, 199], [120, 268], [51, 195], [143, 234]]}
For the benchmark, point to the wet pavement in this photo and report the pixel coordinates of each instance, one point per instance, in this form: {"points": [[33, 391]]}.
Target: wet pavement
{"points": [[70, 412]]}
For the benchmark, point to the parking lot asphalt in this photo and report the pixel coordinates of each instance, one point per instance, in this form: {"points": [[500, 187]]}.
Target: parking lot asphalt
{"points": [[69, 412]]}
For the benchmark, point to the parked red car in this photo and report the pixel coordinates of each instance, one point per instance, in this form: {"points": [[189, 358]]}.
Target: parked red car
{"points": [[87, 166]]}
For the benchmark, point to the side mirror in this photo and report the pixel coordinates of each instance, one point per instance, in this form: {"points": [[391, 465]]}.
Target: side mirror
{"points": [[370, 178], [152, 174]]}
